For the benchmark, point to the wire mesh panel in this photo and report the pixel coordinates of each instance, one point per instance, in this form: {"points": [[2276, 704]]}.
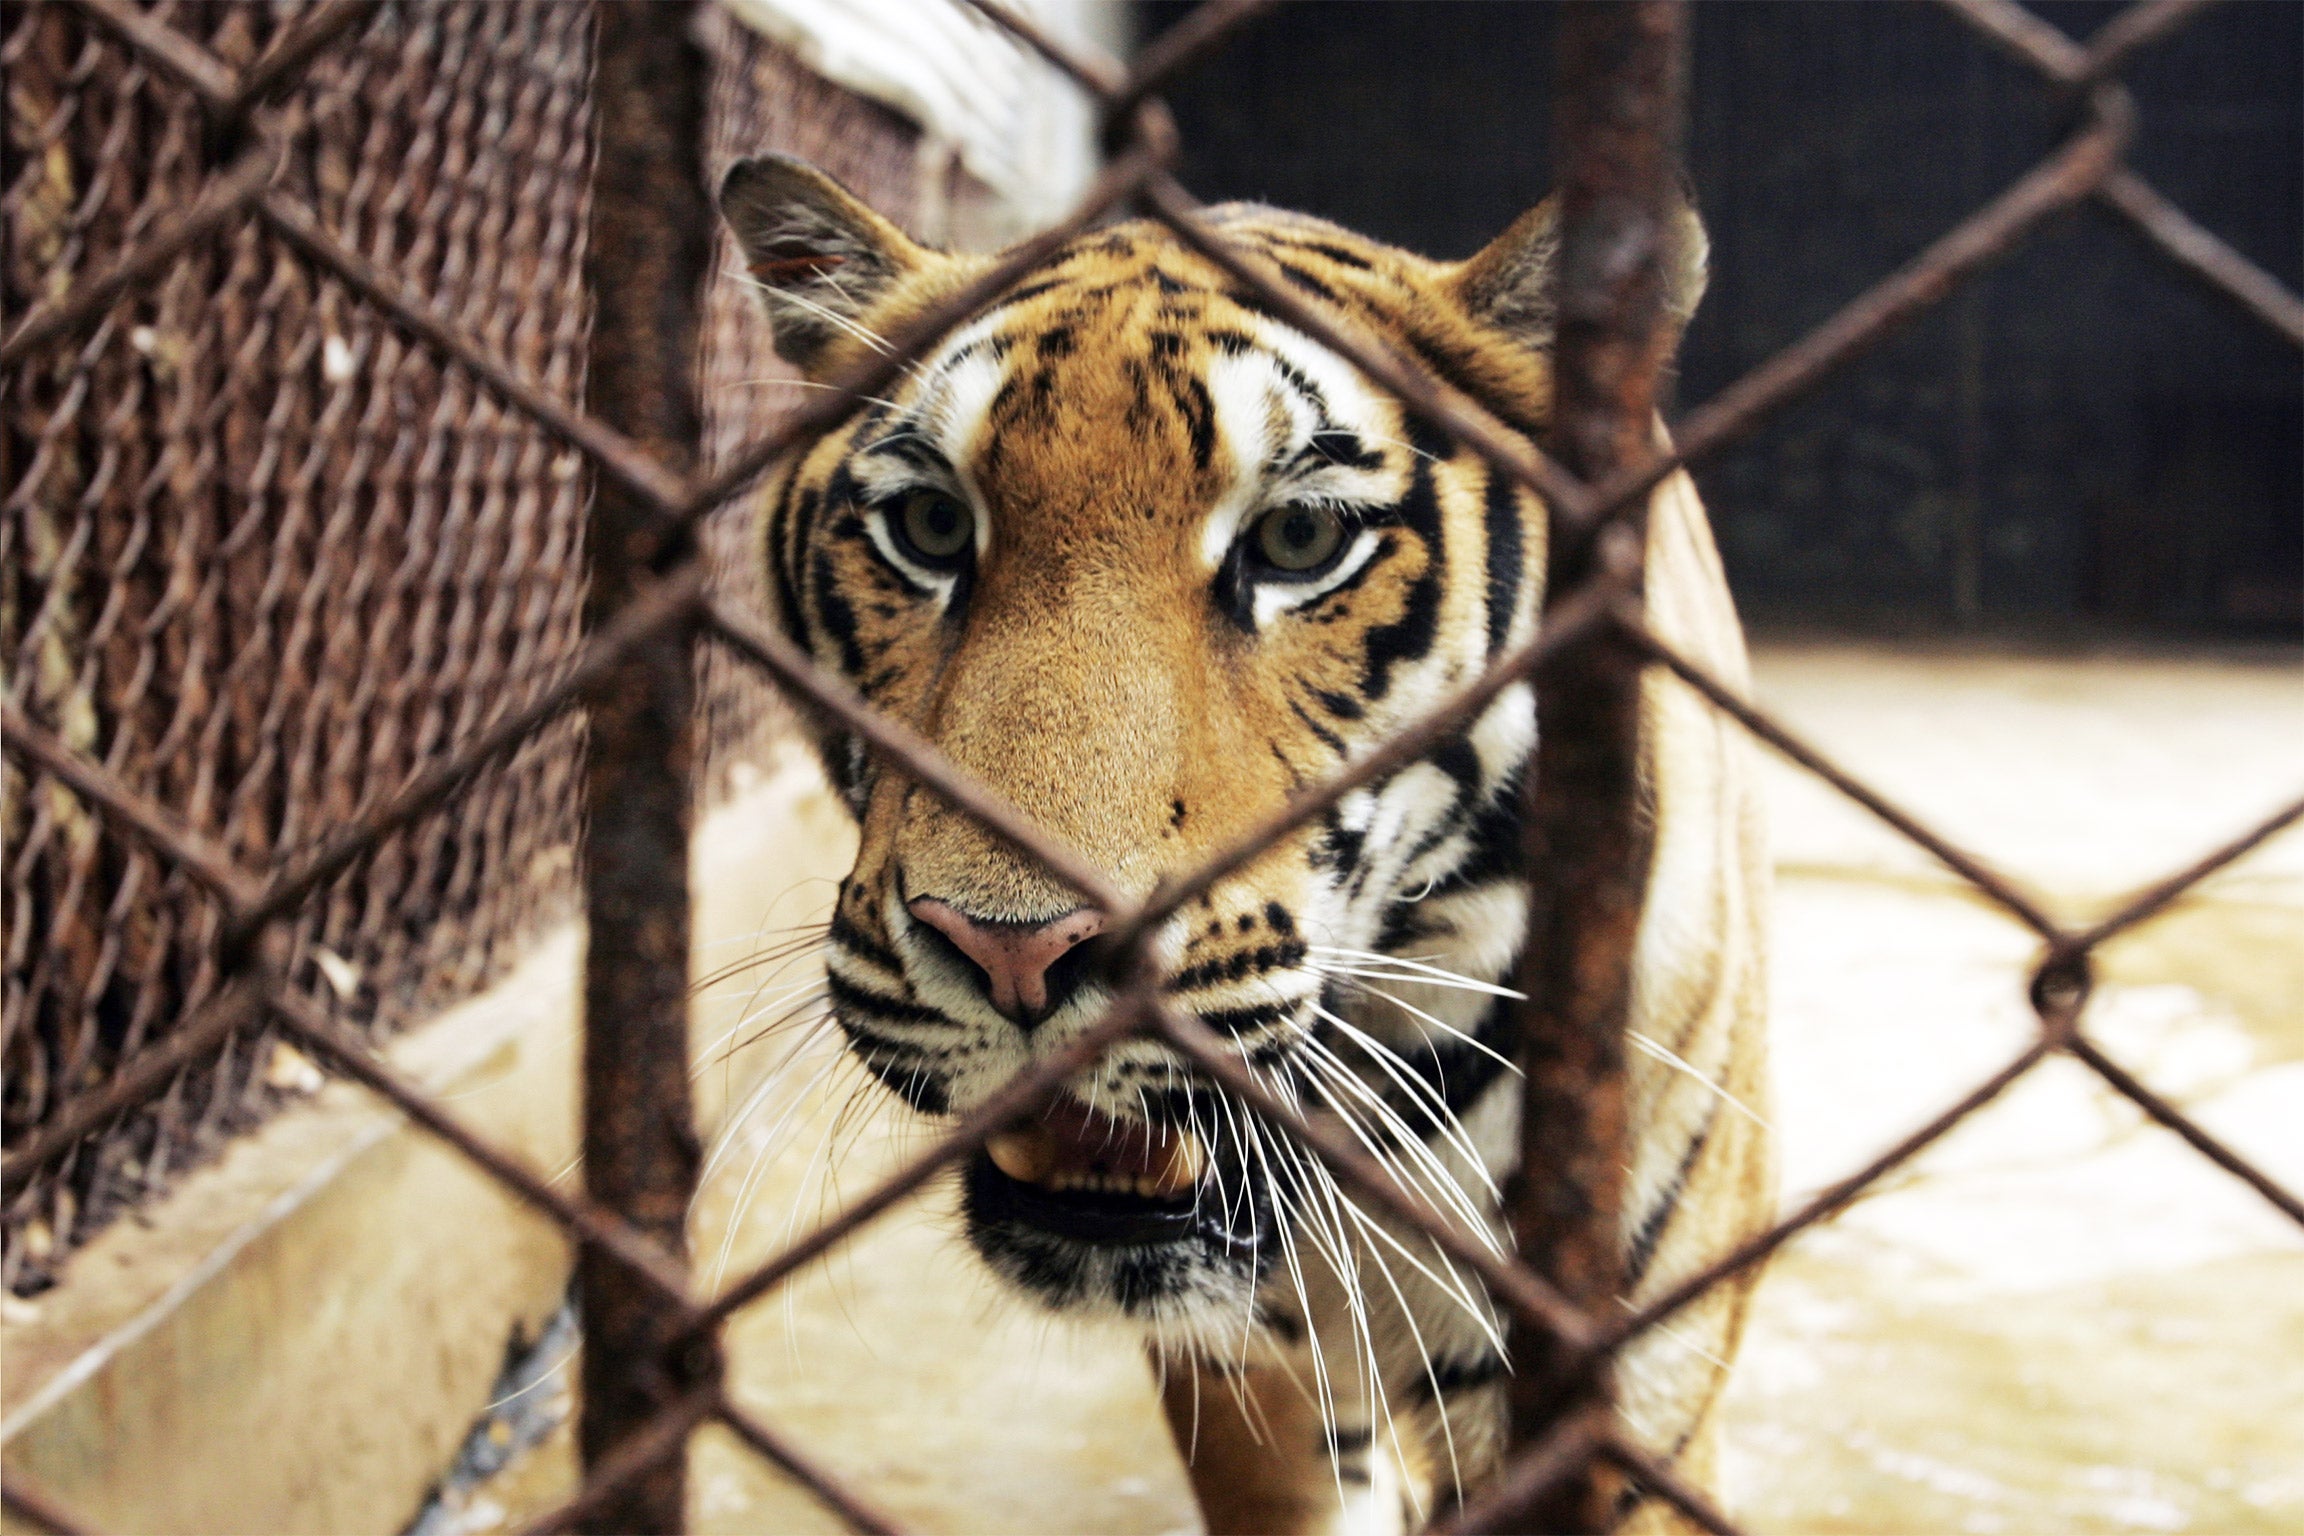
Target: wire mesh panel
{"points": [[252, 180], [261, 555]]}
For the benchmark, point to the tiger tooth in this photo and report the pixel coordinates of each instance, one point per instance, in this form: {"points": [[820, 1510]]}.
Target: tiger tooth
{"points": [[1180, 1174], [1026, 1155]]}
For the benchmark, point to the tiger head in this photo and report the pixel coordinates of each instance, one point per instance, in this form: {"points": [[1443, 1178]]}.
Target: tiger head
{"points": [[1148, 561]]}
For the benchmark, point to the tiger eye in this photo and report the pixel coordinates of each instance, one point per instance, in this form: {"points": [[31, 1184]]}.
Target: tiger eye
{"points": [[937, 526], [1299, 538]]}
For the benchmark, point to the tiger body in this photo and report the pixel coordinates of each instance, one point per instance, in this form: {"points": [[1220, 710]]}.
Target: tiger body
{"points": [[1148, 561]]}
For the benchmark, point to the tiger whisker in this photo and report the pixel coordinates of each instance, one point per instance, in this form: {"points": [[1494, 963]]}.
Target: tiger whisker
{"points": [[1446, 1028], [870, 338], [1665, 1054], [1389, 1063], [1438, 975]]}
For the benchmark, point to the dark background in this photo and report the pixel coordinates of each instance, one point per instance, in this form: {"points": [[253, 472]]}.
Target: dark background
{"points": [[2084, 439]]}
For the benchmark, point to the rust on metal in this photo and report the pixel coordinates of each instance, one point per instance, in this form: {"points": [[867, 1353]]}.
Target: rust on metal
{"points": [[350, 1057], [1566, 1450], [910, 753], [189, 850], [2010, 897], [1518, 1287], [231, 1009], [312, 33], [1619, 104], [656, 1448], [218, 209], [39, 1511], [802, 1468], [649, 254], [2203, 255], [660, 606], [1022, 1095], [185, 261]]}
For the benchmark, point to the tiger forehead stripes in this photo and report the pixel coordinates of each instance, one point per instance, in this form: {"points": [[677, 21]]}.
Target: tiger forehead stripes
{"points": [[1148, 561]]}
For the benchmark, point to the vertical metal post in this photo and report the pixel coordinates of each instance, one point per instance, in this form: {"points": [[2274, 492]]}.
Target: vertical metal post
{"points": [[1618, 115], [650, 247]]}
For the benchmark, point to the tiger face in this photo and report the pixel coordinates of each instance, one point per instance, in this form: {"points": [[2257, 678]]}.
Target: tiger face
{"points": [[1148, 561]]}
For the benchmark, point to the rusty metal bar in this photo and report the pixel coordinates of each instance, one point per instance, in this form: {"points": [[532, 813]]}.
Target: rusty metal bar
{"points": [[2194, 1134], [1099, 74], [1572, 621], [1986, 235], [1564, 1451], [648, 257], [299, 45], [771, 1446], [2024, 36], [1515, 1284], [1024, 1094], [1205, 28], [1618, 108], [1433, 398], [193, 66], [145, 1076], [215, 210], [629, 1468], [2202, 254], [39, 1511], [1829, 1201], [609, 449], [1116, 183], [128, 811], [1728, 701], [2139, 26], [350, 1056], [641, 358], [2157, 897], [1659, 1479]]}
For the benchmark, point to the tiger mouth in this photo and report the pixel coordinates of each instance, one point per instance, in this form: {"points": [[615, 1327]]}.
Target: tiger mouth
{"points": [[1078, 1174]]}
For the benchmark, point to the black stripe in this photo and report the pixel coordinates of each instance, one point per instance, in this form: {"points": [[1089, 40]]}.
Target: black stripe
{"points": [[1334, 253], [1449, 1376], [1649, 1236], [788, 529], [864, 946], [834, 614], [1239, 966], [1306, 281], [1411, 636], [1238, 1021], [872, 1005], [1505, 554], [1327, 737], [1199, 414], [898, 1067]]}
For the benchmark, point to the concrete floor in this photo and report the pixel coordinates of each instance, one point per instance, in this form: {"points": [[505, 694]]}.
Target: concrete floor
{"points": [[2058, 1320]]}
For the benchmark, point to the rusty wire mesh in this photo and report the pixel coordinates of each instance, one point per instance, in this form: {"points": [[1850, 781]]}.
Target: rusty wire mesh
{"points": [[225, 126]]}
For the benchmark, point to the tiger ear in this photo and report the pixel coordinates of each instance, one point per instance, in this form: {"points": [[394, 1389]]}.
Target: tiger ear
{"points": [[820, 258], [1509, 284]]}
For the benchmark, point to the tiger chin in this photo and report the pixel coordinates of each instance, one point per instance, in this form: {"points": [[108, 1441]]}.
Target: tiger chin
{"points": [[1148, 561]]}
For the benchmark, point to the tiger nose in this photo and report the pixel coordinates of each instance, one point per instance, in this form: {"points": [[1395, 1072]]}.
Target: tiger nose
{"points": [[1021, 963]]}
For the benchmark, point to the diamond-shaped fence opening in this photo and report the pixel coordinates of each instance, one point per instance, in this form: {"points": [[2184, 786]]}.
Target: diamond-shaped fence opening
{"points": [[326, 384]]}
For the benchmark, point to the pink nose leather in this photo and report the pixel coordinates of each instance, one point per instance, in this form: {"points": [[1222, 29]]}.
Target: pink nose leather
{"points": [[1014, 957]]}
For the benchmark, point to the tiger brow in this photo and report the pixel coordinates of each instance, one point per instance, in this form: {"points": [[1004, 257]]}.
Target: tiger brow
{"points": [[909, 443]]}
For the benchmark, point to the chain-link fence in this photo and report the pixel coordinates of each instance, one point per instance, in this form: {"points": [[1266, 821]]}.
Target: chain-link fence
{"points": [[259, 264]]}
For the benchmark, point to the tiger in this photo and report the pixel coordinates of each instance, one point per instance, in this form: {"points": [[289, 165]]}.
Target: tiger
{"points": [[1147, 560]]}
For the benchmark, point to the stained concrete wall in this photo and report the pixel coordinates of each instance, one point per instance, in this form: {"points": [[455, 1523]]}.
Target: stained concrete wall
{"points": [[298, 1337]]}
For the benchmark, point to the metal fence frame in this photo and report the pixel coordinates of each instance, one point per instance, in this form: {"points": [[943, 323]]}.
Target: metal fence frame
{"points": [[1619, 111]]}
